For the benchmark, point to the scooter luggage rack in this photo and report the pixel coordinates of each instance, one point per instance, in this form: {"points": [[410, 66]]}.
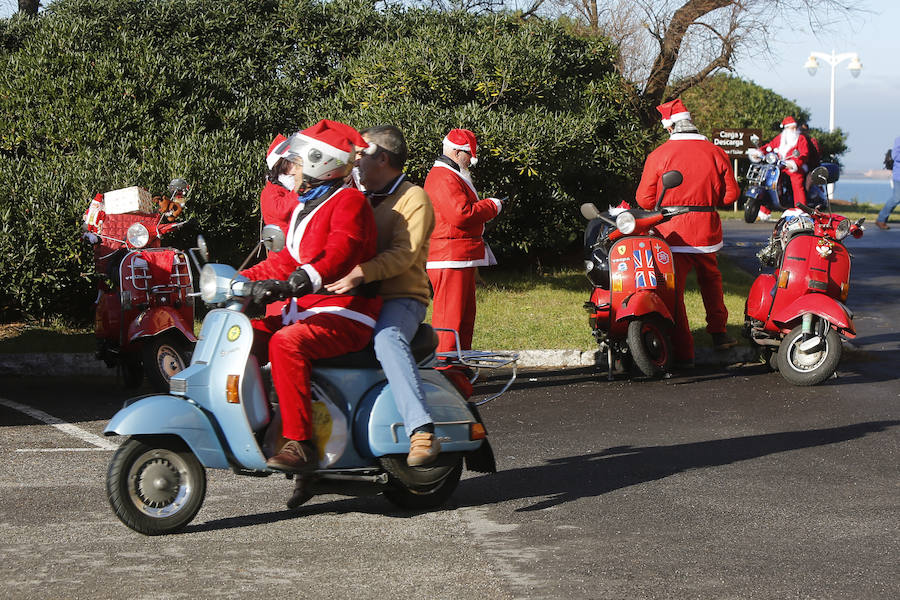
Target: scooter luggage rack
{"points": [[756, 174], [477, 360]]}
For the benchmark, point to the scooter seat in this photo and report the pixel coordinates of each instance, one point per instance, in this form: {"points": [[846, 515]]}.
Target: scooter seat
{"points": [[422, 345]]}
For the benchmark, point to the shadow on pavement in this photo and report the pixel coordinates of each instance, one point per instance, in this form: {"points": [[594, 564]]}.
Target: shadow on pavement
{"points": [[572, 478]]}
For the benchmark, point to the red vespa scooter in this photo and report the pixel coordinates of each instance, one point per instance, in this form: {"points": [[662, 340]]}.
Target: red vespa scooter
{"points": [[632, 305], [796, 315], [144, 319]]}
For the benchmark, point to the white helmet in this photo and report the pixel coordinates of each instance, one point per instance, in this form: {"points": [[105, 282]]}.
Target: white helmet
{"points": [[326, 150]]}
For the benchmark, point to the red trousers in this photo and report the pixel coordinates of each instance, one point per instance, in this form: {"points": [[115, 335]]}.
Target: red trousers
{"points": [[798, 185], [710, 281], [291, 350], [454, 306]]}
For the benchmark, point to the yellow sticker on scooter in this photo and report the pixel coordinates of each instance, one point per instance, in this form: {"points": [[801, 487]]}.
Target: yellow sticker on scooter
{"points": [[322, 425], [234, 333]]}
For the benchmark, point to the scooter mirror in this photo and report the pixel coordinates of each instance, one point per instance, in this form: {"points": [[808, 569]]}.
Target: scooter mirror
{"points": [[203, 248], [818, 176], [177, 186], [273, 238], [589, 211], [672, 179], [754, 139]]}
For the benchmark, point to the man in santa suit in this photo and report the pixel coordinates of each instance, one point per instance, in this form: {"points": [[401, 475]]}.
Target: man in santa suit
{"points": [[457, 246], [332, 230], [695, 236], [793, 149]]}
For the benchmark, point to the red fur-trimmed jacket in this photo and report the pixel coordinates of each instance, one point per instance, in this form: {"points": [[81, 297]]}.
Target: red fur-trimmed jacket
{"points": [[708, 182], [459, 215], [327, 243], [277, 204]]}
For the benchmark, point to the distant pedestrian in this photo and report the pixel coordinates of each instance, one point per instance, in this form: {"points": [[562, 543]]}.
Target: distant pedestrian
{"points": [[891, 204]]}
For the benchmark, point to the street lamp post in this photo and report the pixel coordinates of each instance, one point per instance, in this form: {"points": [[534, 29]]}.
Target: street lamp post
{"points": [[834, 60]]}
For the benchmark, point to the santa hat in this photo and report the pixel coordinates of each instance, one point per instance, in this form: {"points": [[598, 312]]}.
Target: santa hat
{"points": [[277, 149], [788, 121], [673, 111], [337, 139], [462, 139]]}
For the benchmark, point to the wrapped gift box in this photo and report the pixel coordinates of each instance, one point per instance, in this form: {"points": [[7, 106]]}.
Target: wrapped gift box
{"points": [[128, 200]]}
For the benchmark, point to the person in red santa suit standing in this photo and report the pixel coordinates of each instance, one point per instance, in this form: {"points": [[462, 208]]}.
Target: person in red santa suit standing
{"points": [[793, 149], [457, 245], [331, 230], [696, 236]]}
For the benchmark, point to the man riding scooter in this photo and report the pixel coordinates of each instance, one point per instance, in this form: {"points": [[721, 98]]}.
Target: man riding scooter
{"points": [[331, 231], [793, 149]]}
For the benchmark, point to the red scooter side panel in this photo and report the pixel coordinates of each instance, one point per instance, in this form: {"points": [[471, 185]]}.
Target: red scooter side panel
{"points": [[759, 301], [643, 302], [821, 305], [158, 319]]}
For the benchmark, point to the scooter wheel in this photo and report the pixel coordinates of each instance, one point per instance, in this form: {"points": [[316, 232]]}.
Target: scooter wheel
{"points": [[165, 355], [155, 485], [651, 346], [421, 488], [808, 368], [751, 210]]}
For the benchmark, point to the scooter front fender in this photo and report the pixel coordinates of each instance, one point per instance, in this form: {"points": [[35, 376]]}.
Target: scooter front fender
{"points": [[643, 302], [158, 319], [171, 415], [378, 425], [820, 305]]}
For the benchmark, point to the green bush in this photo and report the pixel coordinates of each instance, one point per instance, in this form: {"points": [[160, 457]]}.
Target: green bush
{"points": [[98, 95]]}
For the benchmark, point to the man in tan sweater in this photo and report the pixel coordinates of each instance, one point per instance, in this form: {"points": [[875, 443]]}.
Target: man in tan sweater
{"points": [[404, 219]]}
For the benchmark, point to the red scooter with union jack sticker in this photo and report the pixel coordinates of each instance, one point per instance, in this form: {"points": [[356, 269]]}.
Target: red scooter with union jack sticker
{"points": [[632, 306]]}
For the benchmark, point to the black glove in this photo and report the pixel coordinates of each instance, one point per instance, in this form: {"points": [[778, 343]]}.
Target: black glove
{"points": [[299, 284], [268, 290]]}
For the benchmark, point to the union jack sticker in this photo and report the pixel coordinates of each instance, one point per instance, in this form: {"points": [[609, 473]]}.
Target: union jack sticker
{"points": [[644, 269]]}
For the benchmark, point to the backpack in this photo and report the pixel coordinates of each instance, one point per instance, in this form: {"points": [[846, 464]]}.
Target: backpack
{"points": [[888, 160]]}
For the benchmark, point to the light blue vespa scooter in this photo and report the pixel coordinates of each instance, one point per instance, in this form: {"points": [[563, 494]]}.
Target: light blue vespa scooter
{"points": [[218, 415]]}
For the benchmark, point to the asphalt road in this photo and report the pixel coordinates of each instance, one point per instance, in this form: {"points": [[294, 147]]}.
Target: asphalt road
{"points": [[726, 483]]}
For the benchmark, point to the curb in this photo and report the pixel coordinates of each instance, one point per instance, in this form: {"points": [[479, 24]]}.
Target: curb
{"points": [[86, 364]]}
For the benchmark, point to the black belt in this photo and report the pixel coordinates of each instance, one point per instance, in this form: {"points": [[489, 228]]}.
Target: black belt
{"points": [[696, 208]]}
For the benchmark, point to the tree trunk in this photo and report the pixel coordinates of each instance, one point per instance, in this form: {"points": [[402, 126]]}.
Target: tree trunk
{"points": [[29, 7]]}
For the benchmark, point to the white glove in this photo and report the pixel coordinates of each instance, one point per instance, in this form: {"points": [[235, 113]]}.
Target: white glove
{"points": [[90, 238], [790, 166], [754, 154]]}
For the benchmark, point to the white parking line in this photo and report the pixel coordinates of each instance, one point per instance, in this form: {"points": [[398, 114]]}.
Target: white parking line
{"points": [[85, 436]]}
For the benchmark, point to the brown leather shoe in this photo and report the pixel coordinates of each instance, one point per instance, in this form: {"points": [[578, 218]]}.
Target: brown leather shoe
{"points": [[882, 225], [295, 457], [723, 341], [423, 449]]}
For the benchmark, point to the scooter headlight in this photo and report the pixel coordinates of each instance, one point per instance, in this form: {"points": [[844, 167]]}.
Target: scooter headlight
{"points": [[842, 230], [137, 235], [208, 287], [625, 222], [771, 158], [215, 282]]}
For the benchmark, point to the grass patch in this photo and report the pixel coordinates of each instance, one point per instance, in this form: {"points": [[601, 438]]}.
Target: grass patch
{"points": [[516, 311]]}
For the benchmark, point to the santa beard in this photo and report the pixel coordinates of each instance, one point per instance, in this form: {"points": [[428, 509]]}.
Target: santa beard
{"points": [[789, 139]]}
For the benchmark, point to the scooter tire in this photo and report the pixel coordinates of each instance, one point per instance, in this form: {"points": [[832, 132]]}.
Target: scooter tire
{"points": [[650, 343], [808, 368], [164, 356], [751, 210], [421, 488], [155, 485]]}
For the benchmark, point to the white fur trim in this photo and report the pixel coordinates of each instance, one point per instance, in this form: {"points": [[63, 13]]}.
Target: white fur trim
{"points": [[290, 314], [450, 144], [697, 249], [498, 203], [462, 264], [314, 277], [296, 230], [687, 136], [439, 163]]}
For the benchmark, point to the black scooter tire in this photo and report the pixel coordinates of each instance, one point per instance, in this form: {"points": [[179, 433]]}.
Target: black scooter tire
{"points": [[650, 343], [421, 488], [155, 485], [751, 209], [825, 363], [165, 355]]}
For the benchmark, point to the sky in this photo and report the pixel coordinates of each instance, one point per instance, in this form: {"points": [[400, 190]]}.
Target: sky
{"points": [[867, 108]]}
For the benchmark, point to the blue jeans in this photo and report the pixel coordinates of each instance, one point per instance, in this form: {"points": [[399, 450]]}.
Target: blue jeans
{"points": [[890, 204], [396, 326]]}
